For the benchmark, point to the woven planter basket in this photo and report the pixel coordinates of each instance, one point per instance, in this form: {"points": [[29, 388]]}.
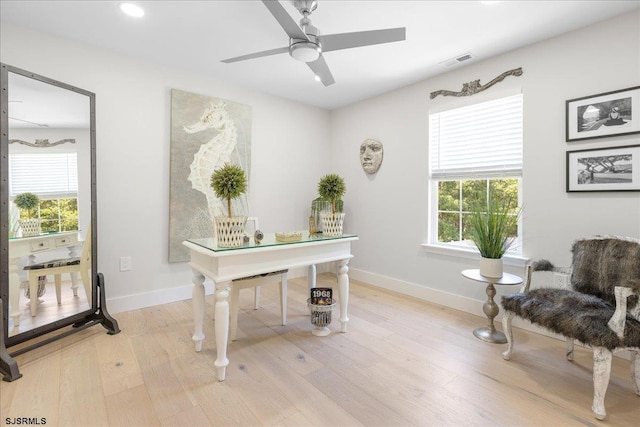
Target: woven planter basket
{"points": [[30, 227], [332, 223], [230, 231]]}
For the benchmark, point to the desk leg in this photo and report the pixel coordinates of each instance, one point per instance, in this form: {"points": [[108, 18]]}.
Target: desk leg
{"points": [[14, 291], [343, 284], [198, 308], [73, 253], [311, 276], [33, 289], [490, 308], [222, 328]]}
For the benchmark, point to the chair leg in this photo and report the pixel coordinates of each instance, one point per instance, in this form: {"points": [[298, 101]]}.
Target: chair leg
{"points": [[256, 300], [508, 332], [58, 280], [233, 311], [283, 299], [635, 370], [601, 374], [569, 349]]}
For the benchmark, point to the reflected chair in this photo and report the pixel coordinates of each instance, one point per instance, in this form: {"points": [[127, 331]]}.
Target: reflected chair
{"points": [[57, 267], [256, 282]]}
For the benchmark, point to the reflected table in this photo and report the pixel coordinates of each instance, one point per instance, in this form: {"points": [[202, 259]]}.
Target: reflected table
{"points": [[222, 265], [32, 245], [489, 333]]}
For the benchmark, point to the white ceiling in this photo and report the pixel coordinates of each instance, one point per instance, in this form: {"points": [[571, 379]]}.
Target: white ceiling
{"points": [[197, 35], [36, 105]]}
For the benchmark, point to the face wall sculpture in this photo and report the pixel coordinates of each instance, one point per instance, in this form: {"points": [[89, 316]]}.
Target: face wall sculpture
{"points": [[371, 153]]}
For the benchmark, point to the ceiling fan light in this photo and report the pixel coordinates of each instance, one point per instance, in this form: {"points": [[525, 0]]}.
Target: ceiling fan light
{"points": [[305, 51]]}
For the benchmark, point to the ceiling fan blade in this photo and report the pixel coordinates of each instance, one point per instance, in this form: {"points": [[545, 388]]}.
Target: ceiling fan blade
{"points": [[257, 55], [340, 41], [321, 69], [285, 20], [27, 121]]}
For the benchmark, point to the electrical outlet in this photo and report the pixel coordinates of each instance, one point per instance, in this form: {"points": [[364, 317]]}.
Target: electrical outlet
{"points": [[560, 280], [125, 263]]}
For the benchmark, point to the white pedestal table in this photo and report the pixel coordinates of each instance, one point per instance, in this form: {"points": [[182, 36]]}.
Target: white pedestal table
{"points": [[489, 333]]}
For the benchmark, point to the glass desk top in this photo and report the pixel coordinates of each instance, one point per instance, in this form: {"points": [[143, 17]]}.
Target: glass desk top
{"points": [[268, 240], [46, 234]]}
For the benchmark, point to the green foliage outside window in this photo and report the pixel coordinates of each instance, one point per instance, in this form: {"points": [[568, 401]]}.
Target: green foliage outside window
{"points": [[456, 198], [57, 215]]}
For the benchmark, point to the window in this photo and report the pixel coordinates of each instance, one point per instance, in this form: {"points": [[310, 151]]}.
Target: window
{"points": [[58, 214], [475, 153], [53, 177]]}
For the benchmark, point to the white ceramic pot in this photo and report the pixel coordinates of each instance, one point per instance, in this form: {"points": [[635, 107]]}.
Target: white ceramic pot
{"points": [[490, 267], [332, 223], [230, 231]]}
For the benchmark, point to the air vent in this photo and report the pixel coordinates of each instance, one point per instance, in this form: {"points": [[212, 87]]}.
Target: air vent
{"points": [[458, 59]]}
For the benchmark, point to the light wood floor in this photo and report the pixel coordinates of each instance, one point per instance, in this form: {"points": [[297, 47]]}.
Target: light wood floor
{"points": [[404, 362]]}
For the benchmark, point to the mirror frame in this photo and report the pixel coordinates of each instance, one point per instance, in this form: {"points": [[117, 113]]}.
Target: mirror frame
{"points": [[77, 319]]}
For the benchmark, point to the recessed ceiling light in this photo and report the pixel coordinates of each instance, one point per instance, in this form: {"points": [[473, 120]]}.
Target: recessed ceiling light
{"points": [[132, 10], [317, 78]]}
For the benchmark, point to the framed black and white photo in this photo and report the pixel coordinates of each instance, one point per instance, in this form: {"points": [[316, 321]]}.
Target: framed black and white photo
{"points": [[604, 169], [606, 114]]}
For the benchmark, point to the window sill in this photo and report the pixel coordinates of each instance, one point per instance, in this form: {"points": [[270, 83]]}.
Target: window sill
{"points": [[461, 252]]}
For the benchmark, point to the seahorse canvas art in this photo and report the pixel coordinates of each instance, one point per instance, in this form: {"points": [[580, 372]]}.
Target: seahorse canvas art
{"points": [[206, 133]]}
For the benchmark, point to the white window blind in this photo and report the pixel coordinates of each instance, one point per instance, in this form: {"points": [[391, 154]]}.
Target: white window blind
{"points": [[483, 140], [50, 175]]}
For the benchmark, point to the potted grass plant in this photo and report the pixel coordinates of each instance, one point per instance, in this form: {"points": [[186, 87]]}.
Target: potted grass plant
{"points": [[332, 187], [228, 183], [28, 205], [491, 227]]}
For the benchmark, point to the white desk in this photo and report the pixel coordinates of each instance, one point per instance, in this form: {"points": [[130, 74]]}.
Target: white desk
{"points": [[223, 265], [23, 246]]}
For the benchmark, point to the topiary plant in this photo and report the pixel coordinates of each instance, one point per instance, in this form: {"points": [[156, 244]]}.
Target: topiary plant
{"points": [[229, 182], [27, 202], [332, 187]]}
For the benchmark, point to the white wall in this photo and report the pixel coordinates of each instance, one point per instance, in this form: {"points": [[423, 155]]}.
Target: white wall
{"points": [[389, 210], [133, 117]]}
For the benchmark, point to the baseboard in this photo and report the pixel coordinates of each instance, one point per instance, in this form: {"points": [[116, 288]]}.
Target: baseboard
{"points": [[150, 299], [458, 302], [165, 296]]}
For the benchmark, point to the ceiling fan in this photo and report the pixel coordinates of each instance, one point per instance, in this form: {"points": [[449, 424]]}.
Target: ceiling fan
{"points": [[307, 45]]}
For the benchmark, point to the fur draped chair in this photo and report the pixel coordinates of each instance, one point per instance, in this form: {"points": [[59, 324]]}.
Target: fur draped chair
{"points": [[601, 309]]}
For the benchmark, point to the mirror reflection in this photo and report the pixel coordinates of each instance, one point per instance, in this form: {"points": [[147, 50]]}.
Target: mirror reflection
{"points": [[49, 203]]}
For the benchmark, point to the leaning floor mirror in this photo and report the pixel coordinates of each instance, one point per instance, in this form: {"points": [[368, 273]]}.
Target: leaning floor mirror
{"points": [[48, 231]]}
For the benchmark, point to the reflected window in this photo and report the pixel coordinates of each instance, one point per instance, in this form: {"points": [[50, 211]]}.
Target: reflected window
{"points": [[53, 177]]}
